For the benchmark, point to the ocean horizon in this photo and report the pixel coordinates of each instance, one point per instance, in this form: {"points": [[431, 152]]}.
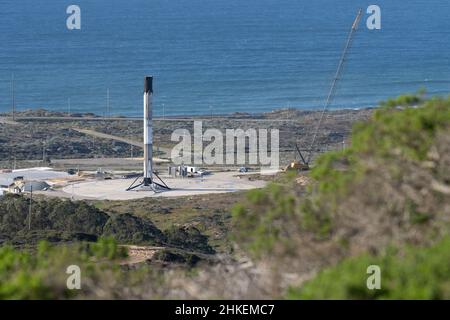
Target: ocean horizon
{"points": [[219, 56]]}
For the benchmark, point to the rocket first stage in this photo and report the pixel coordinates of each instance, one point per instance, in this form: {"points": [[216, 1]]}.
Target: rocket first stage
{"points": [[148, 182]]}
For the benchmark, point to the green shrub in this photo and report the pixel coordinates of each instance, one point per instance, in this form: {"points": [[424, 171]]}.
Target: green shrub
{"points": [[418, 273], [388, 141], [267, 218], [390, 133], [402, 101], [53, 220], [41, 274], [107, 248], [188, 238], [129, 229], [380, 147]]}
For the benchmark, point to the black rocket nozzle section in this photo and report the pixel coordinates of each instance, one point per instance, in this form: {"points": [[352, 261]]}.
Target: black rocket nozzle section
{"points": [[148, 84]]}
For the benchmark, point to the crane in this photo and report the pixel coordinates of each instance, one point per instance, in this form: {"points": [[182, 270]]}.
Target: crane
{"points": [[332, 91]]}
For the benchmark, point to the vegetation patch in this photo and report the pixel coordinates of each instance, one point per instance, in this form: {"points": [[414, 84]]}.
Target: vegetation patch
{"points": [[57, 220], [389, 187], [130, 229], [188, 238], [42, 274], [414, 273]]}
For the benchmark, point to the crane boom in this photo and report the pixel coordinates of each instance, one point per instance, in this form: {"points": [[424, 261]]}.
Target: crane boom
{"points": [[301, 155], [332, 91]]}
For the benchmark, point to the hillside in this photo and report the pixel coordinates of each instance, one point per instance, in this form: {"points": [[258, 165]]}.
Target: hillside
{"points": [[61, 221], [389, 189]]}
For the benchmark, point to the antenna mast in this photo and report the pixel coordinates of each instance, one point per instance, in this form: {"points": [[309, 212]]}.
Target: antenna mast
{"points": [[13, 98]]}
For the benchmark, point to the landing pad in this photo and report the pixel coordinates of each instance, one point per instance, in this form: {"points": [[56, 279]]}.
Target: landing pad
{"points": [[115, 189]]}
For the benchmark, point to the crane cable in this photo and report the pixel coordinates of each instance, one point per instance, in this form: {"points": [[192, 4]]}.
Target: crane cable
{"points": [[332, 91]]}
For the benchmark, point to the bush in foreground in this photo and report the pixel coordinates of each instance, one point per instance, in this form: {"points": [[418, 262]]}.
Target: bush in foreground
{"points": [[42, 274], [415, 273], [390, 187]]}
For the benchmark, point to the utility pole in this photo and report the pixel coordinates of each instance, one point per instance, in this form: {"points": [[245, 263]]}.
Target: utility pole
{"points": [[288, 109], [164, 111], [68, 105], [13, 98], [43, 151], [31, 204], [107, 103]]}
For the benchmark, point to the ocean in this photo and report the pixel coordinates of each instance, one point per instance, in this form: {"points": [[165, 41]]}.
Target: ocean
{"points": [[218, 56]]}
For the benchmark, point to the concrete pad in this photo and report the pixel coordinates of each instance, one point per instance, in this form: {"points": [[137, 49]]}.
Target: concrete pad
{"points": [[221, 182], [32, 174], [8, 121]]}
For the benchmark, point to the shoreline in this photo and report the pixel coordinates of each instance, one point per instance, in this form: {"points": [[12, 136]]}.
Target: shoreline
{"points": [[36, 114]]}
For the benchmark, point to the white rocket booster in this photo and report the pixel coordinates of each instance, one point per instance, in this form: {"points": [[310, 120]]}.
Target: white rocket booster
{"points": [[148, 130], [148, 177]]}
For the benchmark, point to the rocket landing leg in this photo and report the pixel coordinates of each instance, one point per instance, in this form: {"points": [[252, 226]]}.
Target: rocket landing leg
{"points": [[148, 184]]}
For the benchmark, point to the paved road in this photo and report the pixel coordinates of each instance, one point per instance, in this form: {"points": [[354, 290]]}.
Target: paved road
{"points": [[109, 137], [166, 151]]}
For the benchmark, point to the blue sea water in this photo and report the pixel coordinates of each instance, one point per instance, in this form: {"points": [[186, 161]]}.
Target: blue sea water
{"points": [[218, 56]]}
